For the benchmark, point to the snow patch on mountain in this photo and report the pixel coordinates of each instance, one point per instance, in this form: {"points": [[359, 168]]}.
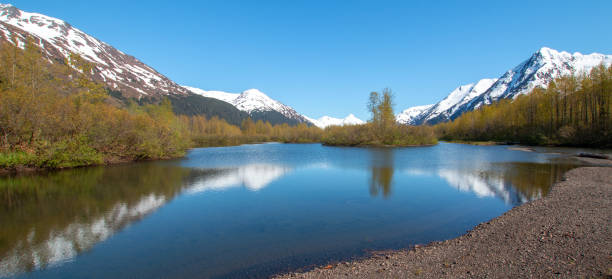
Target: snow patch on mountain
{"points": [[443, 110], [58, 40], [410, 115], [255, 100], [327, 121], [219, 95], [538, 71], [251, 100]]}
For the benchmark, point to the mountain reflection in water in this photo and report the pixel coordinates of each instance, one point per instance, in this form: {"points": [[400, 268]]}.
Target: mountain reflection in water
{"points": [[514, 183], [49, 219], [253, 176]]}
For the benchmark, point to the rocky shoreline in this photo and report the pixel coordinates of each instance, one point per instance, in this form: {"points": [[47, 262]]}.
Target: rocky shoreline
{"points": [[567, 234]]}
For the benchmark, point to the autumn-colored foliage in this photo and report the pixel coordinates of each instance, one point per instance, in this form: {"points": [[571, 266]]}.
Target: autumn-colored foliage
{"points": [[572, 110], [53, 115], [217, 132], [381, 130]]}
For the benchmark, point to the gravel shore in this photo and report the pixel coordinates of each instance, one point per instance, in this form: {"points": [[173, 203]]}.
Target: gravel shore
{"points": [[567, 234]]}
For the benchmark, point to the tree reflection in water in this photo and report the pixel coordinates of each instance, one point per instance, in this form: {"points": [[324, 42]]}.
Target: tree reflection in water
{"points": [[381, 164], [47, 219]]}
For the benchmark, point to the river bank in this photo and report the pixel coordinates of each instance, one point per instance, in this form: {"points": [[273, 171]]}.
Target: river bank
{"points": [[28, 169], [565, 234]]}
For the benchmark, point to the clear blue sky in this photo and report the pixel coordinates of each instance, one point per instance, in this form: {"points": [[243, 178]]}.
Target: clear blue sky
{"points": [[324, 57]]}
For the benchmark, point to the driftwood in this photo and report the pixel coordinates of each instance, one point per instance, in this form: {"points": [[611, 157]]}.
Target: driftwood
{"points": [[593, 155]]}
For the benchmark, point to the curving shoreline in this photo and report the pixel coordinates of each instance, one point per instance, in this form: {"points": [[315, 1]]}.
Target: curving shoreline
{"points": [[566, 234]]}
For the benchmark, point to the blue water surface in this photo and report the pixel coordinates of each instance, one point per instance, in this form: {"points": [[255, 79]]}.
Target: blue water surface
{"points": [[258, 210]]}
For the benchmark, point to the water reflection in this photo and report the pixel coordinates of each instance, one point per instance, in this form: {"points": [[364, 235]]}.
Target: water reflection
{"points": [[514, 183], [318, 206], [48, 219], [63, 244], [253, 176], [381, 165]]}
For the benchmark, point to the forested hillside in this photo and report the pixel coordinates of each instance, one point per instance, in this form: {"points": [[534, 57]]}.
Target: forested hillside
{"points": [[573, 110], [54, 115]]}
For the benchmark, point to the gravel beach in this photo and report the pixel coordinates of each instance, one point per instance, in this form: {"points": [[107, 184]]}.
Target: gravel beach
{"points": [[566, 234]]}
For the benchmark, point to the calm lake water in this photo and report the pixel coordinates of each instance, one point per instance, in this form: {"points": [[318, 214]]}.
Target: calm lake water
{"points": [[256, 210]]}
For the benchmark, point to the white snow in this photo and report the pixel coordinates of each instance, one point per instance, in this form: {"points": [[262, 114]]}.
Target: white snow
{"points": [[53, 33], [220, 95], [461, 95], [119, 69], [542, 67], [251, 100], [327, 121], [254, 100], [409, 115], [56, 31]]}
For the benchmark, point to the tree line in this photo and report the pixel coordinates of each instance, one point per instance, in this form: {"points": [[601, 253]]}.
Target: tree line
{"points": [[572, 110], [214, 131]]}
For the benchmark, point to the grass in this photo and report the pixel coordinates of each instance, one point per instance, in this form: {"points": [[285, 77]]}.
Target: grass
{"points": [[11, 160]]}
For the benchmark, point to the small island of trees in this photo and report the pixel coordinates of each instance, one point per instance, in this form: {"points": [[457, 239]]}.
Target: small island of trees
{"points": [[381, 130]]}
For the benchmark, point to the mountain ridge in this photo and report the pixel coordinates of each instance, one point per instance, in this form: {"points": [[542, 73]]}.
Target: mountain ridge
{"points": [[256, 104], [126, 77], [58, 38], [538, 70]]}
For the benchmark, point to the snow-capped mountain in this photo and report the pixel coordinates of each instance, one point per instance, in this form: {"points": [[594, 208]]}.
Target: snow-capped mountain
{"points": [[541, 68], [442, 110], [130, 77], [254, 102], [58, 39], [327, 121], [410, 115]]}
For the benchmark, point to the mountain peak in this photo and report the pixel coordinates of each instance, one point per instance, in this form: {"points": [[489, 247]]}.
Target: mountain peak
{"points": [[9, 10], [254, 93], [543, 66], [6, 6], [547, 50], [252, 101], [549, 54], [411, 115], [326, 121]]}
